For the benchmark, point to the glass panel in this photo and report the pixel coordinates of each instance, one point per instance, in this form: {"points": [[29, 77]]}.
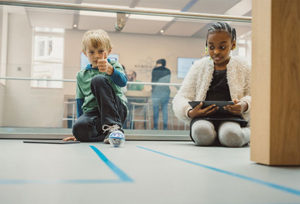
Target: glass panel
{"points": [[45, 44]]}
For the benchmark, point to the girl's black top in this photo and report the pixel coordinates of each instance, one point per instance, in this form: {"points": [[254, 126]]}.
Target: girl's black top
{"points": [[219, 89]]}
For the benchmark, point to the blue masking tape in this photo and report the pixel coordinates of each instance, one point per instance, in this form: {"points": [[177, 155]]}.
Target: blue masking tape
{"points": [[122, 175], [254, 180]]}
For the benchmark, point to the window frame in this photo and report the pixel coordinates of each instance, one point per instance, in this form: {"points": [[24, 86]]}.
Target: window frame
{"points": [[48, 33]]}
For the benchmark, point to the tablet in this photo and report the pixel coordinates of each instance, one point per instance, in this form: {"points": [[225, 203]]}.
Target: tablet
{"points": [[51, 141], [220, 104]]}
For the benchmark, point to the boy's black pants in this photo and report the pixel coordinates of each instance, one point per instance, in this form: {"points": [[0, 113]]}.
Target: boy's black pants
{"points": [[110, 111]]}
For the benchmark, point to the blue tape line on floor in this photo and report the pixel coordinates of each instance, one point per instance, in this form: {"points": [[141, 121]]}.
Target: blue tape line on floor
{"points": [[265, 183], [122, 175]]}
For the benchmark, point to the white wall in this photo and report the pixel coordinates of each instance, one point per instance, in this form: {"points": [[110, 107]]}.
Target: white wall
{"points": [[26, 106], [2, 93], [38, 107], [3, 39], [2, 88], [136, 51]]}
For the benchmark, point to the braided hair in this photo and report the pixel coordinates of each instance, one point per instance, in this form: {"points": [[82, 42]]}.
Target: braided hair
{"points": [[222, 26]]}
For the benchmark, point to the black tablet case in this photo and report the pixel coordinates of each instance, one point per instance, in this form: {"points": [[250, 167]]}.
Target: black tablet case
{"points": [[220, 104], [221, 114], [50, 141]]}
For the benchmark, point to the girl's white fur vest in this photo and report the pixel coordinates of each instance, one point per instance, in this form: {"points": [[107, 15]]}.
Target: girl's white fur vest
{"points": [[196, 84]]}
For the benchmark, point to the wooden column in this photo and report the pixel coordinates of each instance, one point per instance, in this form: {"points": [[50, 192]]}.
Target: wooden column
{"points": [[275, 82]]}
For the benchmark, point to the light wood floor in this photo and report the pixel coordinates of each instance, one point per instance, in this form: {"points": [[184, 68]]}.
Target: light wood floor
{"points": [[141, 172]]}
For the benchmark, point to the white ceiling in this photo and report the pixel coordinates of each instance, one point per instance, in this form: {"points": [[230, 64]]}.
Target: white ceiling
{"points": [[139, 24]]}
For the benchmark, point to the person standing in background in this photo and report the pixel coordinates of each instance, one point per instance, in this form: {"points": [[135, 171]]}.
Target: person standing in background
{"points": [[160, 93], [134, 87]]}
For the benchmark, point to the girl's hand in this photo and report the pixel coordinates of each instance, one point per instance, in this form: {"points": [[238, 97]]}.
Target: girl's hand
{"points": [[198, 111], [104, 66], [72, 138], [238, 108]]}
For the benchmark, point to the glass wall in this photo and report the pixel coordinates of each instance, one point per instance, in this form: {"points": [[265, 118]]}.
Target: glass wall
{"points": [[41, 54]]}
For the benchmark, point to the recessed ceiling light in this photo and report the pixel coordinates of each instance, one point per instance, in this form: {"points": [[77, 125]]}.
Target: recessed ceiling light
{"points": [[162, 31], [75, 26]]}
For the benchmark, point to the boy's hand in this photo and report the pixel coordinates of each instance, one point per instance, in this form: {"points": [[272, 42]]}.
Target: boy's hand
{"points": [[104, 66], [199, 112], [238, 108], [72, 138]]}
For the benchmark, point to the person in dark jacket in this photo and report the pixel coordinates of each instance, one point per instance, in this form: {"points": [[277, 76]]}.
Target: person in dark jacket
{"points": [[160, 93]]}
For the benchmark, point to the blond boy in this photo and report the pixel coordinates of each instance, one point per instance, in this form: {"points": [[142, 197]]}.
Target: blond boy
{"points": [[101, 105]]}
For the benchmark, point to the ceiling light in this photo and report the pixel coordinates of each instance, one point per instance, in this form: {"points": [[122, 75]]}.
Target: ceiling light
{"points": [[75, 26], [151, 18], [161, 31], [95, 13]]}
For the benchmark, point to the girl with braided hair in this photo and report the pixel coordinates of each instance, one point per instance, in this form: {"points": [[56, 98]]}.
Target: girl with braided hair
{"points": [[217, 77]]}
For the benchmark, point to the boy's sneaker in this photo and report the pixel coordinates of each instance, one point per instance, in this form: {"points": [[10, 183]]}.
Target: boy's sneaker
{"points": [[115, 135], [106, 140]]}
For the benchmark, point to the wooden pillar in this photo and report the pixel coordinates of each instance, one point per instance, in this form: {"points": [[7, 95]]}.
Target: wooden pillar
{"points": [[275, 82]]}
